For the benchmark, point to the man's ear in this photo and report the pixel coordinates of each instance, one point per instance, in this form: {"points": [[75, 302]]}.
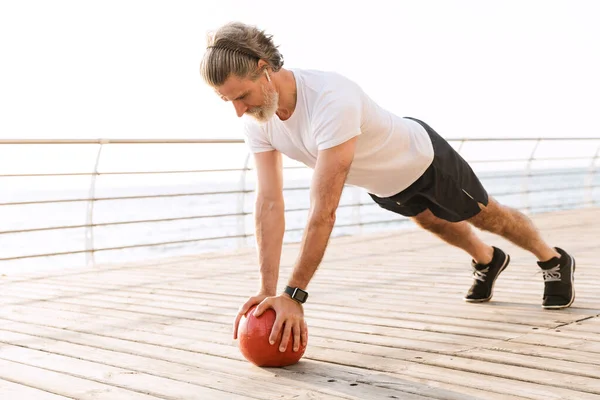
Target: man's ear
{"points": [[263, 66]]}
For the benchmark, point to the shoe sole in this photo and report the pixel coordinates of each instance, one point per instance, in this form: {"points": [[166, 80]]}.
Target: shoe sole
{"points": [[572, 286], [506, 261]]}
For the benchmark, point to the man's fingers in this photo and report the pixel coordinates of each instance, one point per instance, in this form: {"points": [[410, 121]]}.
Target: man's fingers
{"points": [[296, 332], [251, 302], [276, 330], [242, 311], [236, 324], [262, 307], [304, 334], [287, 330]]}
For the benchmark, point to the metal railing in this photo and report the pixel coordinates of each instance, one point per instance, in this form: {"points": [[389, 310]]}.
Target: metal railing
{"points": [[91, 200]]}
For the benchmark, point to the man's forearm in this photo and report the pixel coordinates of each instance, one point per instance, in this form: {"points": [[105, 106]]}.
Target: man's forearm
{"points": [[270, 227], [312, 250]]}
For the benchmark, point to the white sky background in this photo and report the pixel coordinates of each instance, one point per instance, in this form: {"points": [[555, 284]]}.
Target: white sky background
{"points": [[129, 69]]}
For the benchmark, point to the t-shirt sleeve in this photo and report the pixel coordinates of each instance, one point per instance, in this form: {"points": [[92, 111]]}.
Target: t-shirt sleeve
{"points": [[338, 115], [256, 138]]}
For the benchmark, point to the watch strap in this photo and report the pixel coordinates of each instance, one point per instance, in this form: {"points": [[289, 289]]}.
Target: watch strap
{"points": [[296, 294]]}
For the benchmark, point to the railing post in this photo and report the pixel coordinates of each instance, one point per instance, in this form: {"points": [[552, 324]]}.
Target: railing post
{"points": [[525, 185], [242, 203], [590, 179], [356, 215], [460, 146], [89, 220]]}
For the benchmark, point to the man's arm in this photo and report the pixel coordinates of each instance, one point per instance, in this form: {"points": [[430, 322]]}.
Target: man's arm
{"points": [[270, 225], [327, 185], [269, 215], [326, 189]]}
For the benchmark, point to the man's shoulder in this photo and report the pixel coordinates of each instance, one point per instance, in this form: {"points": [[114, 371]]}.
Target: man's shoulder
{"points": [[322, 80], [324, 88]]}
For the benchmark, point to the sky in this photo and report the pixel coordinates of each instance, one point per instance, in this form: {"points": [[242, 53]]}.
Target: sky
{"points": [[129, 69]]}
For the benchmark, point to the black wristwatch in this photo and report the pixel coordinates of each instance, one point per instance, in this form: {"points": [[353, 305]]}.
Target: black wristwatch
{"points": [[297, 294]]}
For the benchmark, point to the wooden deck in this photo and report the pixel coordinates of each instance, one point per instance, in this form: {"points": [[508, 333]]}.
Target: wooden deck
{"points": [[386, 321]]}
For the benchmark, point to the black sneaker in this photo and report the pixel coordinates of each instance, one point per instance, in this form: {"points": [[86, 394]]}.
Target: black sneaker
{"points": [[559, 291], [485, 276]]}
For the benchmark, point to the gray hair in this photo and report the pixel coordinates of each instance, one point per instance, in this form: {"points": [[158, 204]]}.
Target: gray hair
{"points": [[235, 49]]}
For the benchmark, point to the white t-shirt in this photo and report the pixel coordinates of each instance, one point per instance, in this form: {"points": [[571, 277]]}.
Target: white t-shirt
{"points": [[391, 151]]}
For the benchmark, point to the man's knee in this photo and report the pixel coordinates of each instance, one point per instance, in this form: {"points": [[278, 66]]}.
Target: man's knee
{"points": [[427, 220], [490, 218]]}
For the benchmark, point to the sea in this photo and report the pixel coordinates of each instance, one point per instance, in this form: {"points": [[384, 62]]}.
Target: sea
{"points": [[197, 215]]}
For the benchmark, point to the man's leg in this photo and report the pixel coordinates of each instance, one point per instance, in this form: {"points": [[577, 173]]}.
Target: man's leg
{"points": [[514, 226], [488, 261], [459, 234], [557, 265], [453, 193]]}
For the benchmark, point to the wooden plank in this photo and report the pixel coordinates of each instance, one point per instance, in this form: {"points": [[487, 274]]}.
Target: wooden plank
{"points": [[468, 327], [222, 333], [394, 326], [560, 374], [320, 323], [317, 280], [100, 372], [456, 376], [231, 369], [588, 343], [10, 390], [192, 329], [65, 385], [590, 325], [228, 321], [314, 352], [551, 380], [147, 346], [410, 311], [428, 341], [345, 314], [565, 368], [163, 379], [549, 353], [198, 357], [425, 385], [399, 292]]}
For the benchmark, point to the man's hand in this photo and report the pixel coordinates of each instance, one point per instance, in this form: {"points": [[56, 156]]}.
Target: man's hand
{"points": [[244, 308], [289, 317]]}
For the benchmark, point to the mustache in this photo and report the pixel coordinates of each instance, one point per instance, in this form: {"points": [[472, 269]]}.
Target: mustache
{"points": [[255, 110]]}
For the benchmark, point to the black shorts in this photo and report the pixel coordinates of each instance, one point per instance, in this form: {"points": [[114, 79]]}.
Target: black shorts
{"points": [[449, 187]]}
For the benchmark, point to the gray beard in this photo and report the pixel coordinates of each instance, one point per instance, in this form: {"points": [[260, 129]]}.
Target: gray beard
{"points": [[268, 109]]}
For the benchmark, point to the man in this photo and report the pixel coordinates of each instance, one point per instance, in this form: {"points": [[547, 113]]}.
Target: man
{"points": [[327, 122]]}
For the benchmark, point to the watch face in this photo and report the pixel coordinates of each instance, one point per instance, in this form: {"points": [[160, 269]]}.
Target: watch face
{"points": [[301, 295]]}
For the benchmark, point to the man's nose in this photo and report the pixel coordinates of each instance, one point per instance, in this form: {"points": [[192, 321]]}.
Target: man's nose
{"points": [[240, 108]]}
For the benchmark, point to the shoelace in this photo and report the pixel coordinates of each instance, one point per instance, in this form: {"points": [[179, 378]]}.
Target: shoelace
{"points": [[552, 274], [480, 275]]}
